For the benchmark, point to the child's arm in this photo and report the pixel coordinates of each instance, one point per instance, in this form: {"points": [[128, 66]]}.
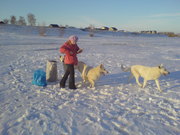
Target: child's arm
{"points": [[79, 51]]}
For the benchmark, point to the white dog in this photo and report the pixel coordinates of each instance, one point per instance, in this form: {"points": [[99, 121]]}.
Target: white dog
{"points": [[148, 73], [93, 74]]}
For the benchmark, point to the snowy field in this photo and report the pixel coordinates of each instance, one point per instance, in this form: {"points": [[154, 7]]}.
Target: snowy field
{"points": [[114, 107]]}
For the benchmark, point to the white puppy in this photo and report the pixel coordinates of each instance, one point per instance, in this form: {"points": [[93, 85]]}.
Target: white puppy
{"points": [[148, 73], [93, 74]]}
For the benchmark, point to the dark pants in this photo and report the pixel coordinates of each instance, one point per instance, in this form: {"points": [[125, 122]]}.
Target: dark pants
{"points": [[68, 73]]}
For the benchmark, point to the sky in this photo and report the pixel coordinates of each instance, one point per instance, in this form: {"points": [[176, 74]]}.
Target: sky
{"points": [[128, 15]]}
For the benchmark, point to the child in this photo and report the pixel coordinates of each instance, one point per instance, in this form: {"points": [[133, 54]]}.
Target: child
{"points": [[70, 49]]}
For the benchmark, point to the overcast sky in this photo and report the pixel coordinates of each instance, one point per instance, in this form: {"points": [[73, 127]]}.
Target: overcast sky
{"points": [[130, 15]]}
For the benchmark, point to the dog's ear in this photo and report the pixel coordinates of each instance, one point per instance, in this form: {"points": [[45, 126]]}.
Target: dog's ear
{"points": [[61, 58], [122, 66], [161, 66], [101, 65]]}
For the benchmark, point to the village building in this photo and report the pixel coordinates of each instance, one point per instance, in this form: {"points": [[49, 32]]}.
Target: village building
{"points": [[54, 26], [113, 29]]}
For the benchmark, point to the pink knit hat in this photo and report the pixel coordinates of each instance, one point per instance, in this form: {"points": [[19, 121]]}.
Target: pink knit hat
{"points": [[73, 38]]}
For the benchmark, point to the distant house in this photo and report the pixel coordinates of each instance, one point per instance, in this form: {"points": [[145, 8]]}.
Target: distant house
{"points": [[85, 29], [169, 34], [113, 29], [104, 28], [54, 26], [149, 32], [1, 22]]}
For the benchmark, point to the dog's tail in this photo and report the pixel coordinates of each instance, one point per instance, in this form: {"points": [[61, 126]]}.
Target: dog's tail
{"points": [[84, 73], [61, 58], [125, 69]]}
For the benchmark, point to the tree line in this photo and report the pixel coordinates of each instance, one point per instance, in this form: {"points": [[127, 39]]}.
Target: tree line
{"points": [[31, 20]]}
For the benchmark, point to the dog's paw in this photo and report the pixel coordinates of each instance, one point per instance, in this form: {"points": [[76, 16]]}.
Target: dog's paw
{"points": [[89, 87], [93, 88]]}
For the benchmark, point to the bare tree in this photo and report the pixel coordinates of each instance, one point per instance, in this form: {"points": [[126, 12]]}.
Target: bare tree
{"points": [[21, 21], [13, 20], [31, 19]]}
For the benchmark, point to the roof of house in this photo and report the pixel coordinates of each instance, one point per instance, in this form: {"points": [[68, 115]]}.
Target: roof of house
{"points": [[104, 28], [1, 22], [54, 25], [113, 28]]}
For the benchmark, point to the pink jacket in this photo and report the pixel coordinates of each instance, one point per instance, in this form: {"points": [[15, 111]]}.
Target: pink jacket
{"points": [[70, 52]]}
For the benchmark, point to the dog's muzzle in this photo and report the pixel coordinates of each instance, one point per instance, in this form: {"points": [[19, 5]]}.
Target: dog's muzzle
{"points": [[106, 72], [166, 73]]}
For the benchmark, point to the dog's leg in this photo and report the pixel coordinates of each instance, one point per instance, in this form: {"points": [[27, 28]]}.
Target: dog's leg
{"points": [[137, 81], [144, 83], [84, 82], [157, 83], [84, 79], [92, 83]]}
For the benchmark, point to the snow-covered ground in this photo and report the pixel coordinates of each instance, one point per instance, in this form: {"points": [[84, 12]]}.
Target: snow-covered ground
{"points": [[114, 107]]}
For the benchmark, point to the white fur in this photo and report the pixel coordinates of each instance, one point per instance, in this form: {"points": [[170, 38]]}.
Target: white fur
{"points": [[147, 73], [93, 74]]}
